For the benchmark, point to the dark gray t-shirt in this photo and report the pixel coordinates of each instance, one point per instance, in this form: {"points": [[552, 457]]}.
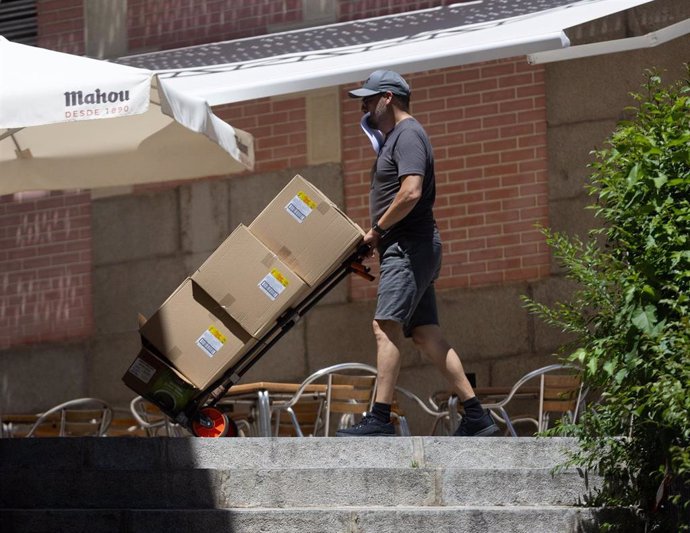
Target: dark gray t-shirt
{"points": [[406, 151]]}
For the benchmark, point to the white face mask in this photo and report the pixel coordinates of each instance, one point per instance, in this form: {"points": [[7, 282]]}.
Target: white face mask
{"points": [[375, 136]]}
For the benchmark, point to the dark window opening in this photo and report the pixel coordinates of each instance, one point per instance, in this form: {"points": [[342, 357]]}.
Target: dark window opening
{"points": [[18, 21]]}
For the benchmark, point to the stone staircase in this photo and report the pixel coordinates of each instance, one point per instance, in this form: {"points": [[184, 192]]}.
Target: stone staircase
{"points": [[373, 485]]}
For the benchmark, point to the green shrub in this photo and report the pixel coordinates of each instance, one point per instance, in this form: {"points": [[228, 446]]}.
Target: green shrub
{"points": [[630, 312]]}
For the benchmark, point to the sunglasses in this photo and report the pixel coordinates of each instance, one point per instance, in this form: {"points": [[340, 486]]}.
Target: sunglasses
{"points": [[371, 97]]}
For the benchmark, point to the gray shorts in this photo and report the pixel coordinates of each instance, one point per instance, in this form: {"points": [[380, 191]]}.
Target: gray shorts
{"points": [[406, 282]]}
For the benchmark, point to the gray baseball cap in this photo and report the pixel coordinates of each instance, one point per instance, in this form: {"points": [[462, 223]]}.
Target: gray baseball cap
{"points": [[381, 81]]}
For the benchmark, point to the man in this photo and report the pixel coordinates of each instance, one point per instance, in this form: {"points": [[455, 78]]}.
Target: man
{"points": [[405, 236]]}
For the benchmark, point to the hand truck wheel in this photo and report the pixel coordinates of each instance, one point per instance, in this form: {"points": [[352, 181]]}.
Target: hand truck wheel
{"points": [[212, 422]]}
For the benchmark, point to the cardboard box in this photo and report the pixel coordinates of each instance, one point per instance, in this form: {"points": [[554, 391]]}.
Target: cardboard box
{"points": [[157, 381], [249, 281], [306, 230], [196, 335]]}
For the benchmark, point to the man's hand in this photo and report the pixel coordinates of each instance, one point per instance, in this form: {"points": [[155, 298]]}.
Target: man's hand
{"points": [[372, 238]]}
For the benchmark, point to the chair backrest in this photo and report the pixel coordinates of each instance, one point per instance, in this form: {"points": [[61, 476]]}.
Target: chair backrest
{"points": [[359, 397], [560, 391], [152, 420], [124, 424], [349, 396], [559, 394], [80, 417], [309, 412]]}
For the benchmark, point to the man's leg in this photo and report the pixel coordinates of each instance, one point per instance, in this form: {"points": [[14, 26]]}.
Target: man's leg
{"points": [[389, 336], [396, 295], [431, 342]]}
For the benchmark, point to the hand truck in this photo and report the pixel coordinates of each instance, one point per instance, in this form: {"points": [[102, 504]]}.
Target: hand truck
{"points": [[201, 416]]}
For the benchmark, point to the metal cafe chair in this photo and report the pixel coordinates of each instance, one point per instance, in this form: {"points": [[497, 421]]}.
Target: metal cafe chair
{"points": [[347, 395], [308, 411], [561, 392], [350, 393], [153, 421], [353, 403], [438, 413], [76, 418]]}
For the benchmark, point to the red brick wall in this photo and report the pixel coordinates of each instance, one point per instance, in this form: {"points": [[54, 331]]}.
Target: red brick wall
{"points": [[279, 128], [155, 24], [61, 25], [487, 123], [45, 238], [359, 9], [160, 25], [45, 267]]}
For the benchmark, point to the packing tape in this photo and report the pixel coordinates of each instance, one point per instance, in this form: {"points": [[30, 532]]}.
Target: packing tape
{"points": [[175, 352], [226, 301], [323, 207], [268, 260], [284, 252]]}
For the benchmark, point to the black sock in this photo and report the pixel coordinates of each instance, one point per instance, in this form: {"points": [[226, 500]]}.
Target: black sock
{"points": [[382, 412], [473, 408]]}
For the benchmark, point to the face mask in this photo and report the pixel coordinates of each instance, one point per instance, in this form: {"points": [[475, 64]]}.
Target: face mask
{"points": [[375, 136]]}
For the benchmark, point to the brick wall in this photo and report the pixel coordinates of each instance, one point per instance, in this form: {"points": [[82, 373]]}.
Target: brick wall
{"points": [[45, 267], [160, 25], [359, 9], [488, 127], [154, 25], [279, 128], [45, 238], [61, 25]]}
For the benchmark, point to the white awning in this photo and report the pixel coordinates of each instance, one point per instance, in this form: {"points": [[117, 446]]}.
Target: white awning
{"points": [[71, 122], [344, 53], [649, 40]]}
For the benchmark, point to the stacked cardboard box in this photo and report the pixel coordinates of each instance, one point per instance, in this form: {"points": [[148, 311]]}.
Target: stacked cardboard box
{"points": [[155, 379], [307, 231], [249, 281], [233, 300]]}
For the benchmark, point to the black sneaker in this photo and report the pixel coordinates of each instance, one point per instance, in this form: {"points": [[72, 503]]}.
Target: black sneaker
{"points": [[368, 427], [483, 426]]}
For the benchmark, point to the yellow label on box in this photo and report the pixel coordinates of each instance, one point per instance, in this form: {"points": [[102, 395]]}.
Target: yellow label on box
{"points": [[281, 279], [303, 196], [217, 334]]}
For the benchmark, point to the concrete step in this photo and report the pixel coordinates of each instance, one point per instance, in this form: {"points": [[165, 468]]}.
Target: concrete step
{"points": [[180, 473], [193, 453], [526, 519], [204, 489], [381, 485]]}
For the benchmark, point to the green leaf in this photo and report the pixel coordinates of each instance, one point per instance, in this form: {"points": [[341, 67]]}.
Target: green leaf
{"points": [[609, 367], [634, 174], [648, 290], [592, 365], [621, 375], [578, 355], [644, 319], [660, 181]]}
